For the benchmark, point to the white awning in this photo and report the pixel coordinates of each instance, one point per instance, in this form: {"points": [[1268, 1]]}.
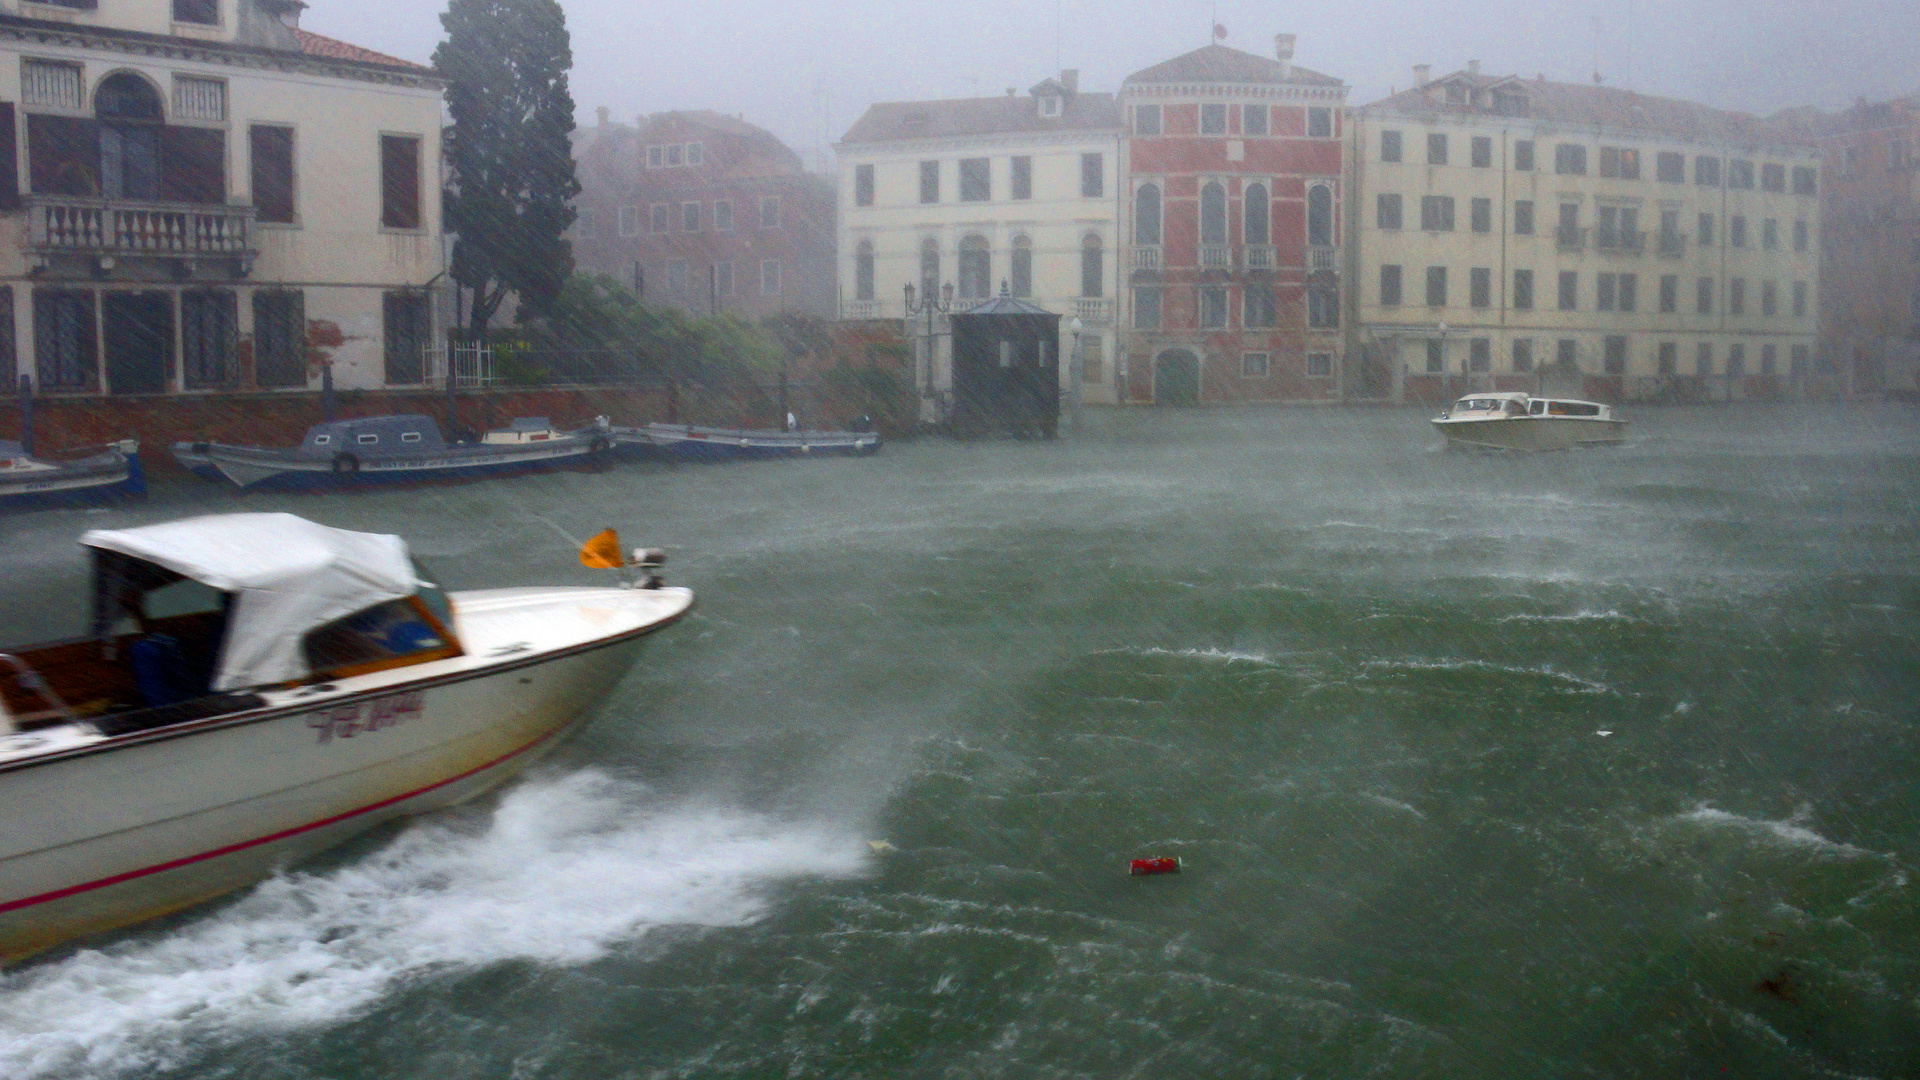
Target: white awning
{"points": [[289, 576]]}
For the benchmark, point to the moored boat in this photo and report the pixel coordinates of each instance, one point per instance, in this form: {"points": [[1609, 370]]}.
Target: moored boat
{"points": [[394, 449], [693, 442], [1509, 420], [108, 472], [255, 688]]}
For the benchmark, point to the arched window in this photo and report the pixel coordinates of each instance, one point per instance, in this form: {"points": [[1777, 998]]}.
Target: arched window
{"points": [[1146, 214], [1213, 213], [976, 268], [1255, 218], [1022, 266], [130, 116], [1093, 266], [1320, 216], [930, 268], [863, 271]]}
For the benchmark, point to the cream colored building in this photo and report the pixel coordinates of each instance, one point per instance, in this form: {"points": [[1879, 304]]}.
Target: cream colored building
{"points": [[1018, 190], [1509, 229], [201, 197]]}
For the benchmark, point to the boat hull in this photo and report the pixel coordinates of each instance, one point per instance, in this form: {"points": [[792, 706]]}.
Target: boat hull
{"points": [[107, 478], [685, 442], [141, 825], [266, 469], [1531, 433]]}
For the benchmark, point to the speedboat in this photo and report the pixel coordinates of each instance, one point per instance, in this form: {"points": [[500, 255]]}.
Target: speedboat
{"points": [[389, 449], [255, 688], [693, 442], [110, 472], [1509, 420]]}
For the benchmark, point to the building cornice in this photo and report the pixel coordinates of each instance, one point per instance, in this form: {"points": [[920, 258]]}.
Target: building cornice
{"points": [[1527, 126], [1039, 139], [1336, 95], [160, 46]]}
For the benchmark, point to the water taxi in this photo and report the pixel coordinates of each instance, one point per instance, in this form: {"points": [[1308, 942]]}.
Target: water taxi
{"points": [[1509, 420], [693, 442], [255, 688]]}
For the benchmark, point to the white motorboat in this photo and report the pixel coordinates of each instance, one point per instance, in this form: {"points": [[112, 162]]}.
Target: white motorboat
{"points": [[108, 472], [1509, 420], [256, 688]]}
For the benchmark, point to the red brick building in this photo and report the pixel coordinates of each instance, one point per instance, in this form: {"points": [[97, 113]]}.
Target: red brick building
{"points": [[1231, 183], [705, 212]]}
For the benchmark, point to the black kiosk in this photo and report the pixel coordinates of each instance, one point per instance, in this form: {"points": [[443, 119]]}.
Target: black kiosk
{"points": [[1006, 369]]}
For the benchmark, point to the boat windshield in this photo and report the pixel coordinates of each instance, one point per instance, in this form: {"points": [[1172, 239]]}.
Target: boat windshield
{"points": [[432, 596]]}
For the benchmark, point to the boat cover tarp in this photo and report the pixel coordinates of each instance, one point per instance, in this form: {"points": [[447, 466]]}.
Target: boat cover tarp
{"points": [[289, 576]]}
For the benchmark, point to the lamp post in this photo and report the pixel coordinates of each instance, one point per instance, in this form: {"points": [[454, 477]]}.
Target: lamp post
{"points": [[1076, 326], [928, 306]]}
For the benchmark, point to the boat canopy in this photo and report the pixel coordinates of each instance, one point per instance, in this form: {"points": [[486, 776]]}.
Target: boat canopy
{"points": [[288, 576]]}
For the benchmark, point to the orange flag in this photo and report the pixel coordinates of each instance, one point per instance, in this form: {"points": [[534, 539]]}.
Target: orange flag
{"points": [[602, 551]]}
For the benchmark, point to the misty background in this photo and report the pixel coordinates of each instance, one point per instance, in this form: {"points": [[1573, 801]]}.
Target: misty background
{"points": [[807, 71]]}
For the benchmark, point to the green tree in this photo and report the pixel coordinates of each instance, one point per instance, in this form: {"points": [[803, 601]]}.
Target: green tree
{"points": [[510, 180]]}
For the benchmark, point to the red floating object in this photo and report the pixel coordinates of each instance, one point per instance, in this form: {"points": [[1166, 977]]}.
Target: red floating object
{"points": [[1149, 867]]}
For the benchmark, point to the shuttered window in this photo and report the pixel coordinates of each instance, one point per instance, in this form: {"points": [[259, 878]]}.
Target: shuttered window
{"points": [[271, 152], [400, 183]]}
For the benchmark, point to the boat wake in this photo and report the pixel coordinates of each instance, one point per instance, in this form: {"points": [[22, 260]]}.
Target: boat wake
{"points": [[565, 869]]}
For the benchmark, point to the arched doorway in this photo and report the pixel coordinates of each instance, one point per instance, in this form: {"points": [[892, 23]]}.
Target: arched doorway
{"points": [[1176, 378]]}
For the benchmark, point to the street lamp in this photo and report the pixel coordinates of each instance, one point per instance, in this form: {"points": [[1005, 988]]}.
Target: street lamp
{"points": [[1076, 326], [929, 306]]}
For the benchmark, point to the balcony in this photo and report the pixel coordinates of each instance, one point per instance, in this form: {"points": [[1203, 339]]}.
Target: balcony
{"points": [[1146, 258], [1216, 257], [1259, 256], [1569, 238], [1320, 260], [118, 227], [860, 309], [1093, 309], [1621, 241]]}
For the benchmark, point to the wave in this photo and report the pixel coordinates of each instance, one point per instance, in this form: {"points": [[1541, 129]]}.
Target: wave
{"points": [[1580, 685], [1578, 616], [1228, 656], [1791, 831], [565, 869]]}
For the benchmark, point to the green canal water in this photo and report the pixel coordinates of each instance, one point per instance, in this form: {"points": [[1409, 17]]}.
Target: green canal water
{"points": [[1594, 765]]}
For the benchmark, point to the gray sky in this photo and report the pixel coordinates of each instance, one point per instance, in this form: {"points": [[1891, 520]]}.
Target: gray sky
{"points": [[806, 71]]}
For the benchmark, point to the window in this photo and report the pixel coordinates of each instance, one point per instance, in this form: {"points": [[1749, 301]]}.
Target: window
{"points": [[1319, 215], [1436, 213], [1736, 361], [1570, 159], [1768, 356], [1436, 286], [1093, 263], [1669, 293], [1479, 354], [929, 181], [1740, 174], [1257, 309], [1799, 299], [374, 636], [1482, 152], [1703, 296], [696, 153], [929, 268], [1479, 287], [64, 344], [1522, 355], [1737, 296], [1706, 230], [1569, 233], [1213, 213], [1669, 167], [44, 82], [690, 217], [1253, 217], [1770, 234], [408, 331], [1213, 119], [863, 270], [1482, 214], [1703, 359], [270, 156], [1389, 286], [723, 278], [208, 337], [1436, 355], [1386, 211], [1319, 364], [1389, 143], [976, 180], [1614, 356], [1213, 308], [1670, 239], [1523, 155], [975, 270], [1629, 291], [199, 99], [769, 277], [1669, 361], [1253, 120], [1253, 365], [1023, 176], [400, 181], [1146, 119], [863, 185], [1319, 123], [659, 219], [1800, 235], [279, 337], [1798, 365], [1736, 230], [1146, 215], [770, 211], [1769, 298], [1804, 179], [1323, 309], [1051, 105], [1523, 217], [1566, 353], [676, 153], [1773, 177], [1437, 148], [204, 12], [1620, 163], [1523, 290], [1146, 308], [1605, 292], [1706, 171], [723, 216], [1093, 175], [1569, 290], [1022, 267]]}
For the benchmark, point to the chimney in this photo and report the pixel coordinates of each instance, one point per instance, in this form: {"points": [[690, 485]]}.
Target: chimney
{"points": [[1473, 67], [1070, 78], [1283, 51], [1420, 73], [601, 112]]}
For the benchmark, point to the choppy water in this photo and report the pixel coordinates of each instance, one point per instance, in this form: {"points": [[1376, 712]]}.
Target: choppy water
{"points": [[1597, 765]]}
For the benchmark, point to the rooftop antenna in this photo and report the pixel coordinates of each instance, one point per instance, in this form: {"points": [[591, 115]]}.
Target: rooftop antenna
{"points": [[1595, 19]]}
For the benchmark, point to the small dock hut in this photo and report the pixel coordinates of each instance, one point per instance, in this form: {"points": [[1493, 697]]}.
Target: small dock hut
{"points": [[1006, 369]]}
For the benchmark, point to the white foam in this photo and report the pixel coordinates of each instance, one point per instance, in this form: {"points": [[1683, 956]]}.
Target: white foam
{"points": [[566, 868], [1791, 831], [1580, 685], [1575, 617], [1228, 656]]}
